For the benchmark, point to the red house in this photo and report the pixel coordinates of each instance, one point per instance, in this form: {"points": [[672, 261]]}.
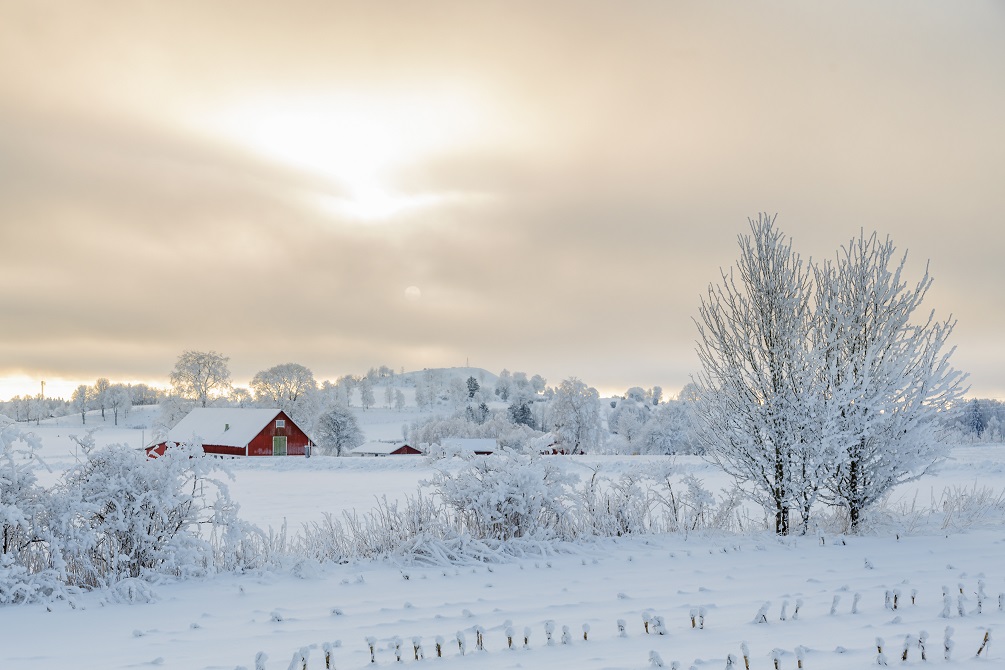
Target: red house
{"points": [[233, 431], [385, 449]]}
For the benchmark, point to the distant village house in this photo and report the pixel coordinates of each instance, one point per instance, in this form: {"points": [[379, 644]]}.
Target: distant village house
{"points": [[385, 449]]}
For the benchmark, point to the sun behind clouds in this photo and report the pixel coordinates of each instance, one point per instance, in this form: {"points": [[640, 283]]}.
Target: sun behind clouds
{"points": [[358, 140]]}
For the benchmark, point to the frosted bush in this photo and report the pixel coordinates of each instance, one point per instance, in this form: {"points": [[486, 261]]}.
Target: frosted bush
{"points": [[508, 495], [29, 569], [125, 515]]}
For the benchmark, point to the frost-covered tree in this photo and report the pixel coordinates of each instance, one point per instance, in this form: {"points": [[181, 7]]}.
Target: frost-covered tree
{"points": [[636, 393], [473, 387], [504, 385], [625, 421], [399, 400], [198, 374], [669, 430], [240, 397], [290, 387], [336, 431], [884, 377], [520, 413], [388, 395], [974, 418], [344, 386], [754, 347], [283, 385], [457, 391], [575, 416], [538, 383], [81, 400], [119, 400], [478, 413], [366, 398], [100, 393], [172, 410]]}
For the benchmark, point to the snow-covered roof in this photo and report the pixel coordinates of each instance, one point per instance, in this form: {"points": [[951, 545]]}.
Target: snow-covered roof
{"points": [[223, 426], [470, 444], [378, 448]]}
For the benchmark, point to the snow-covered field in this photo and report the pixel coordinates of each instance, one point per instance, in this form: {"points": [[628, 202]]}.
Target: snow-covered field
{"points": [[839, 585]]}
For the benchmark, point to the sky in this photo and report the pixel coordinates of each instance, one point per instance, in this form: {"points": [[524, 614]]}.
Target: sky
{"points": [[538, 186]]}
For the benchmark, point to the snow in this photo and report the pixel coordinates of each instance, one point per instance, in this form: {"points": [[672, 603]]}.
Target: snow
{"points": [[223, 622]]}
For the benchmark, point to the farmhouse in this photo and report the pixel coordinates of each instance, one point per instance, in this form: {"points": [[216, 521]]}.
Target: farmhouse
{"points": [[384, 449], [233, 431]]}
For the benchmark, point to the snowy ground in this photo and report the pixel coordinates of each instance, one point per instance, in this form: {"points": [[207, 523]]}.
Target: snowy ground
{"points": [[223, 622]]}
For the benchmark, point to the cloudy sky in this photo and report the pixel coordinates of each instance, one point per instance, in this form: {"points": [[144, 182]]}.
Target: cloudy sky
{"points": [[540, 186]]}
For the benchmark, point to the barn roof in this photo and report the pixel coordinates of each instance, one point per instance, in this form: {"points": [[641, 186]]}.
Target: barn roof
{"points": [[223, 426], [379, 448]]}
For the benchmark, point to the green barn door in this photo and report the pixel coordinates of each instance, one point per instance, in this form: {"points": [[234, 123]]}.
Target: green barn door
{"points": [[279, 445]]}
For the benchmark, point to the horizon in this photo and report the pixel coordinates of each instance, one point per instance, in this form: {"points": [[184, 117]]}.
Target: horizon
{"points": [[550, 188], [64, 388]]}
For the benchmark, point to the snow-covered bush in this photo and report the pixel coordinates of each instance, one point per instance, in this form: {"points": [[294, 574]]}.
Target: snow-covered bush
{"points": [[124, 515], [509, 495], [29, 568]]}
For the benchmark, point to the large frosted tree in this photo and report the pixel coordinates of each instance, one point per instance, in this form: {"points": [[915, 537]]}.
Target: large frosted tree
{"points": [[337, 431], [754, 346], [283, 385], [575, 415], [197, 374], [884, 377]]}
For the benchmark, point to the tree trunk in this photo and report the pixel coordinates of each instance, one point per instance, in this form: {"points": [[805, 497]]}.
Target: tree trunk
{"points": [[854, 507]]}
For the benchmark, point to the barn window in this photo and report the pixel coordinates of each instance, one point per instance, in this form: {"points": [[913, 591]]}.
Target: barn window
{"points": [[280, 423], [279, 445]]}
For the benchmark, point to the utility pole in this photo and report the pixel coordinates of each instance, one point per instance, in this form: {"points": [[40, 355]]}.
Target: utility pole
{"points": [[43, 390]]}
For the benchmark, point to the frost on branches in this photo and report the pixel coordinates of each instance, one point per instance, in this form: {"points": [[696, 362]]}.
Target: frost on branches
{"points": [[511, 495], [816, 385], [116, 516]]}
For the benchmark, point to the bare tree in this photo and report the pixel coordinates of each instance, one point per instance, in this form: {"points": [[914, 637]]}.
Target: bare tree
{"points": [[197, 374]]}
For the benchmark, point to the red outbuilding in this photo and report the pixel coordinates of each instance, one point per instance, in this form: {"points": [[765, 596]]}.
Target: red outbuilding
{"points": [[234, 431]]}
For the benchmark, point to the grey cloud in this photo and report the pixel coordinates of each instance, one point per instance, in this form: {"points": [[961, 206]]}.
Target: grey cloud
{"points": [[639, 138]]}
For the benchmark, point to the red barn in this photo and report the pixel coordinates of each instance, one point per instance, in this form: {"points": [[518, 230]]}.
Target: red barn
{"points": [[233, 431], [385, 449]]}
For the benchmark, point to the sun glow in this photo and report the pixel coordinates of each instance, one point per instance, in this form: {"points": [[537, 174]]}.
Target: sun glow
{"points": [[357, 142]]}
